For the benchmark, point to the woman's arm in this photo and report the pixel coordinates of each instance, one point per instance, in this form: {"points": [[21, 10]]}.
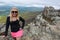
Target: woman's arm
{"points": [[7, 25], [23, 22]]}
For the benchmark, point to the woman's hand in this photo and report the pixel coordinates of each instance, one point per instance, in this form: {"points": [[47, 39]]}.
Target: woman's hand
{"points": [[5, 37]]}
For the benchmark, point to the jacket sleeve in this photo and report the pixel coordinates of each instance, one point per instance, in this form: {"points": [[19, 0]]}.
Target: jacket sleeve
{"points": [[23, 22], [7, 26]]}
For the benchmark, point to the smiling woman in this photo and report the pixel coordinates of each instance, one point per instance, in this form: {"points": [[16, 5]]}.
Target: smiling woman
{"points": [[13, 20]]}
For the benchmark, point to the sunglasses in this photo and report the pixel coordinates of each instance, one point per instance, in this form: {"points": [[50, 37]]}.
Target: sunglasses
{"points": [[14, 11]]}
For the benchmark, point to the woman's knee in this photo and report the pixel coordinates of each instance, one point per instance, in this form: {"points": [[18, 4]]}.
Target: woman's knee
{"points": [[17, 38]]}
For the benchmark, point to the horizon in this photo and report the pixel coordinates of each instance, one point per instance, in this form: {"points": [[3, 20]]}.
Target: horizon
{"points": [[31, 3]]}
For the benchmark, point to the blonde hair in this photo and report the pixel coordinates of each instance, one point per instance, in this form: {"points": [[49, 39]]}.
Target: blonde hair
{"points": [[17, 17]]}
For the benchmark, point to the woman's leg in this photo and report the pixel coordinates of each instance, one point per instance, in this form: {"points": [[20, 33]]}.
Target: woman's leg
{"points": [[17, 38], [14, 38]]}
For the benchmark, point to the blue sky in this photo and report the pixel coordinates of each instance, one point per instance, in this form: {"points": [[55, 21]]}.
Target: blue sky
{"points": [[32, 3]]}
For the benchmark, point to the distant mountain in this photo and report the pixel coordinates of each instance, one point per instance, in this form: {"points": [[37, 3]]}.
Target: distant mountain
{"points": [[30, 9], [4, 10]]}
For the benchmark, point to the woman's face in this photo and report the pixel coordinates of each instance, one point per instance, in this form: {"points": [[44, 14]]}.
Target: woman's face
{"points": [[14, 12]]}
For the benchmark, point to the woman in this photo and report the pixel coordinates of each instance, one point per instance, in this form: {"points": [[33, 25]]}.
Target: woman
{"points": [[14, 21]]}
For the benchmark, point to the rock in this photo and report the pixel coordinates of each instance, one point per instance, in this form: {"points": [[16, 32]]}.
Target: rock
{"points": [[46, 37], [41, 30]]}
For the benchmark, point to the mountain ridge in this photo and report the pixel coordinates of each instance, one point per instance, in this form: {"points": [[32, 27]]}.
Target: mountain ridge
{"points": [[6, 9]]}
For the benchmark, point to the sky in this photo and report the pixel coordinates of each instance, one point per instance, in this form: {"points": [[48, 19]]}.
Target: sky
{"points": [[31, 3]]}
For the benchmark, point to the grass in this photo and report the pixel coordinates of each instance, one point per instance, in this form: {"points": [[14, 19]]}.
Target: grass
{"points": [[2, 19]]}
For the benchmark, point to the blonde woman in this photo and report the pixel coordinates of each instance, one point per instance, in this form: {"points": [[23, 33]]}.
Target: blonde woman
{"points": [[13, 20]]}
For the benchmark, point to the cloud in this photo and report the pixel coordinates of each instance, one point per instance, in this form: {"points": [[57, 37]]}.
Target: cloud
{"points": [[2, 3], [34, 3]]}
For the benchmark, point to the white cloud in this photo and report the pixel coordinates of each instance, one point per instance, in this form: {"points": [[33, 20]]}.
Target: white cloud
{"points": [[36, 3], [2, 4]]}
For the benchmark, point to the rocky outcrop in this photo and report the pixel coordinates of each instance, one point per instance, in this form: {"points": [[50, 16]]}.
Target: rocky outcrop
{"points": [[41, 30], [50, 11], [51, 15]]}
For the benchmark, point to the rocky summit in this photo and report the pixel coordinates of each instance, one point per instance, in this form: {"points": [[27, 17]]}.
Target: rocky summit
{"points": [[41, 29]]}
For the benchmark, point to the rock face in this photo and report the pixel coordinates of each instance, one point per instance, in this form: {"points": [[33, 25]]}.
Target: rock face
{"points": [[50, 11], [51, 14], [41, 30]]}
